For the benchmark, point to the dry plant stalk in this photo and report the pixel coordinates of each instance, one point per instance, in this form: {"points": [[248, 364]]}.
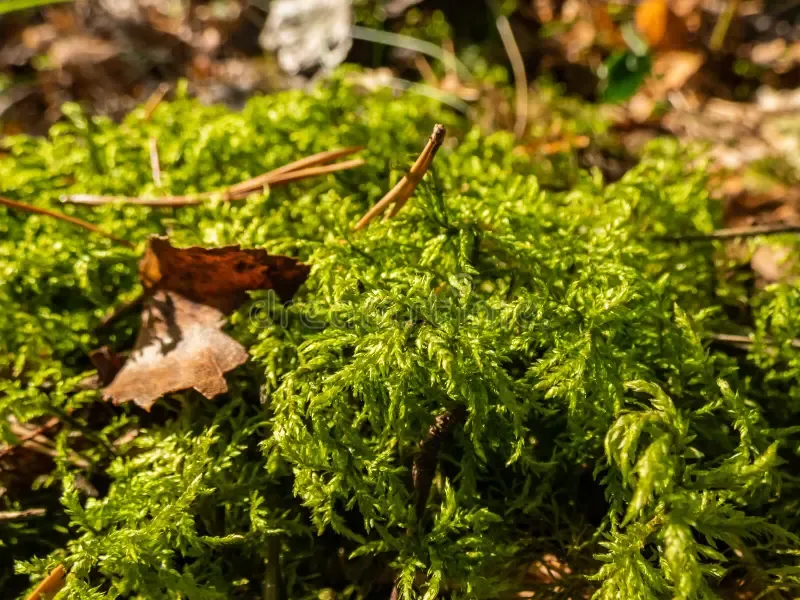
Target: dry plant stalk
{"points": [[156, 98], [51, 585], [30, 436], [735, 232], [401, 192], [62, 217], [310, 166], [155, 161]]}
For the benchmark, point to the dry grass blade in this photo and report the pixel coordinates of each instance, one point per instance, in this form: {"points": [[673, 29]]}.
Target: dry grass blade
{"points": [[735, 232], [520, 76], [62, 217], [156, 98], [31, 435], [155, 161], [50, 586], [311, 166], [401, 192], [314, 160], [15, 515]]}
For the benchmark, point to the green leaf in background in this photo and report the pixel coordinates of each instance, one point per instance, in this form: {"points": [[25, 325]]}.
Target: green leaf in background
{"points": [[7, 6], [623, 73]]}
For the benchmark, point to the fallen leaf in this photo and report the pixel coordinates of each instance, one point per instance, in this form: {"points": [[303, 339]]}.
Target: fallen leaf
{"points": [[218, 277], [189, 291]]}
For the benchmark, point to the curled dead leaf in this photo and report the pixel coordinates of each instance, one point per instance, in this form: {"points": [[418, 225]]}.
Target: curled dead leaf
{"points": [[180, 346], [189, 291]]}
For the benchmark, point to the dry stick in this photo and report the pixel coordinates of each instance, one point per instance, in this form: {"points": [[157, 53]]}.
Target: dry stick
{"points": [[401, 192], [13, 515], [154, 100], [733, 232], [723, 24], [280, 176], [744, 340], [520, 76], [155, 162], [425, 463], [29, 436], [51, 585], [314, 160], [243, 191], [62, 217]]}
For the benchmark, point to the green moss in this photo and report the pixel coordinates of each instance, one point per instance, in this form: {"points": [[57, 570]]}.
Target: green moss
{"points": [[601, 428]]}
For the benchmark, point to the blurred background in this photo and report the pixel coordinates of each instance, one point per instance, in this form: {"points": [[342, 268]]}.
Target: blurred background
{"points": [[592, 79]]}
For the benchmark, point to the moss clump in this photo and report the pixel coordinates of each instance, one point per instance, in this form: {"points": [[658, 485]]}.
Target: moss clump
{"points": [[602, 436]]}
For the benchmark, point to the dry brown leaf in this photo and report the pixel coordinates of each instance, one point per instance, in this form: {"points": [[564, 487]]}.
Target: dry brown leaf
{"points": [[189, 291], [180, 346]]}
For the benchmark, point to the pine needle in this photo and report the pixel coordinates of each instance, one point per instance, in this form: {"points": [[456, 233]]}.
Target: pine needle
{"points": [[62, 217], [310, 166], [401, 192], [50, 586]]}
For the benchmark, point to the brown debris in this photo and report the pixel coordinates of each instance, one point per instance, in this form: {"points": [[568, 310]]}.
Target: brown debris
{"points": [[180, 346], [310, 166], [51, 585], [400, 193], [62, 217], [188, 293]]}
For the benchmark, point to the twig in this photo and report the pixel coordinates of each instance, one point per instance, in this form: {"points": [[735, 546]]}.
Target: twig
{"points": [[281, 176], [62, 217], [723, 24], [734, 232], [29, 436], [50, 586], [273, 576], [520, 76], [401, 192], [155, 162], [13, 515], [155, 99], [426, 461], [745, 341], [314, 160]]}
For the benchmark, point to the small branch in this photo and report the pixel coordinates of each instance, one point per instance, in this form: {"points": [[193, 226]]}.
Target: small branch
{"points": [[723, 24], [155, 99], [51, 585], [733, 232], [15, 515], [155, 162], [745, 341], [30, 435], [314, 160], [401, 192], [280, 176], [427, 460], [273, 576], [62, 217], [425, 463], [520, 76]]}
